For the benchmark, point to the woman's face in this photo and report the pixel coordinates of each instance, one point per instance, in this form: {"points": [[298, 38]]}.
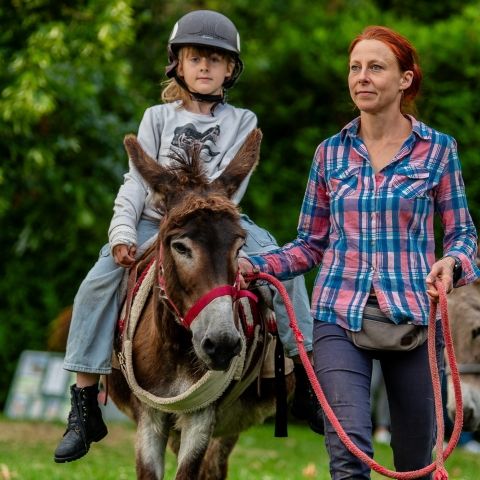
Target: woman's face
{"points": [[375, 80]]}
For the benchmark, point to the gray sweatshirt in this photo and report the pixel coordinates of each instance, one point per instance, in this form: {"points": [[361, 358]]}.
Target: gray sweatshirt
{"points": [[169, 128]]}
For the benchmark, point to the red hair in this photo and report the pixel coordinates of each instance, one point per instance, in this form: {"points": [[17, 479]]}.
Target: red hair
{"points": [[404, 52]]}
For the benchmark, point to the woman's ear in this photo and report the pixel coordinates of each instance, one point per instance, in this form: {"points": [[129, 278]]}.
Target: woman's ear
{"points": [[406, 80]]}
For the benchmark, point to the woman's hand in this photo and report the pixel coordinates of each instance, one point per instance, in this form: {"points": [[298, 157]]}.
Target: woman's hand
{"points": [[443, 271], [124, 255]]}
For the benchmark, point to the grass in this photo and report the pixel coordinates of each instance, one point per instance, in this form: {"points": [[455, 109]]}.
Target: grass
{"points": [[26, 450]]}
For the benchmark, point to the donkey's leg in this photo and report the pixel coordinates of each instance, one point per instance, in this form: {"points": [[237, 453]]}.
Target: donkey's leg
{"points": [[215, 461], [152, 437], [197, 429]]}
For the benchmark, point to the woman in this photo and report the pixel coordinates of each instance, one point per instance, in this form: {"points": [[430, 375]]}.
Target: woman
{"points": [[367, 221]]}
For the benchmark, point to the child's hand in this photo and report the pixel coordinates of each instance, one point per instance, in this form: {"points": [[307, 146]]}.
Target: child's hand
{"points": [[124, 255], [244, 266]]}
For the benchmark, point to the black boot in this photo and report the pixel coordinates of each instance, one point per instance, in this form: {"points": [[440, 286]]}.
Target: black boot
{"points": [[305, 405], [85, 425]]}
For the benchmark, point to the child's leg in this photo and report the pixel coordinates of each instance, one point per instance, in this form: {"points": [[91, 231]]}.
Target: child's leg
{"points": [[305, 405], [87, 379], [89, 349], [95, 312], [261, 241], [297, 291]]}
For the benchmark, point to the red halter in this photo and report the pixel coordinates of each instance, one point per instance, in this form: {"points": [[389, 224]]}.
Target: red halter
{"points": [[220, 291]]}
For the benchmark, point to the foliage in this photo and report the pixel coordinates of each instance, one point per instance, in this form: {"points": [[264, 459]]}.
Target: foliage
{"points": [[64, 106], [76, 76], [296, 82], [450, 99]]}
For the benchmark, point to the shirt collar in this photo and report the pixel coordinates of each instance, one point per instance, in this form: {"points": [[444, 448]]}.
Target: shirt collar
{"points": [[418, 128]]}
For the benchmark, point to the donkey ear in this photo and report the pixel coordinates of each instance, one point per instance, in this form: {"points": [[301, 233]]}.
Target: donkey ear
{"points": [[242, 164], [149, 169], [163, 181], [158, 177]]}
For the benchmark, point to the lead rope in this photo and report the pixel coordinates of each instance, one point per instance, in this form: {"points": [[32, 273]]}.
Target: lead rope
{"points": [[438, 465]]}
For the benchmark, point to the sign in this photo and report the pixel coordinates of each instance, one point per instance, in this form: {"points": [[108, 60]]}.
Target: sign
{"points": [[41, 389]]}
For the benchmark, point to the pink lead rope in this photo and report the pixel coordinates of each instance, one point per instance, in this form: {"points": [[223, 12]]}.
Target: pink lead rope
{"points": [[438, 465]]}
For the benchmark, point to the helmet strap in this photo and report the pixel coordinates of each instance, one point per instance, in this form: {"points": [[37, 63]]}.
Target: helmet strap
{"points": [[202, 97]]}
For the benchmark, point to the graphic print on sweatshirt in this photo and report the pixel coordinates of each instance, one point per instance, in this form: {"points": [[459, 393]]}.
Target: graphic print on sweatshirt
{"points": [[187, 137]]}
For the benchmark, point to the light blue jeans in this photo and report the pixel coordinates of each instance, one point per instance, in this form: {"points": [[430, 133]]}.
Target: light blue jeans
{"points": [[260, 241], [96, 309], [97, 305]]}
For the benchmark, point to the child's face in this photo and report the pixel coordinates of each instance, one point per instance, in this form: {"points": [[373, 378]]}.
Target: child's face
{"points": [[204, 70]]}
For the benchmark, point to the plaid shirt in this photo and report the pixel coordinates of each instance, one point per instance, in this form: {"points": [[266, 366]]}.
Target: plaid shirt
{"points": [[375, 230]]}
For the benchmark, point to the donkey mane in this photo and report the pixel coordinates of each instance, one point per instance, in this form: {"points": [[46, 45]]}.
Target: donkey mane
{"points": [[188, 167], [193, 203]]}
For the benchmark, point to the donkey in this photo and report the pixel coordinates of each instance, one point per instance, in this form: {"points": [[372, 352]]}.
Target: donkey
{"points": [[188, 336], [464, 315]]}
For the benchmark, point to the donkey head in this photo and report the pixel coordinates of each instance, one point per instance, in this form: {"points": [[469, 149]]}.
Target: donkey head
{"points": [[464, 314], [200, 236]]}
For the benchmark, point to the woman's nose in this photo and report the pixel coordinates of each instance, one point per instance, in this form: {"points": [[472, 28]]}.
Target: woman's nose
{"points": [[363, 75]]}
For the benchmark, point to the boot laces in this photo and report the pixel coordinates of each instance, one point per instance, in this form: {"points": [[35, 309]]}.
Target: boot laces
{"points": [[77, 416]]}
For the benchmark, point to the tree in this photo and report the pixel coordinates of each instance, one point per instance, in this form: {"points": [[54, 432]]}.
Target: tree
{"points": [[64, 70]]}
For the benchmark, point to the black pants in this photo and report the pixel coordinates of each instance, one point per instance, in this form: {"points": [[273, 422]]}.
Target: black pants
{"points": [[344, 372]]}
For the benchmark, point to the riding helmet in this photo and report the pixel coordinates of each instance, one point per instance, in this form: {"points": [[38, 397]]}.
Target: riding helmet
{"points": [[205, 28]]}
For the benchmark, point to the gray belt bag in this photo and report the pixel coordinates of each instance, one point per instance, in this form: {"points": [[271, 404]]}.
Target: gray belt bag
{"points": [[380, 333]]}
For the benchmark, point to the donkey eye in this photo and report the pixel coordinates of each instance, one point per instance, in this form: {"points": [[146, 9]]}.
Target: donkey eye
{"points": [[181, 248]]}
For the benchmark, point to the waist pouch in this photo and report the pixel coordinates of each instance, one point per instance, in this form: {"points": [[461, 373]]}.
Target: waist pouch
{"points": [[380, 333]]}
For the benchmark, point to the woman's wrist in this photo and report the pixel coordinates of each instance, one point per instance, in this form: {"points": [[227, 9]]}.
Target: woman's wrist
{"points": [[456, 266]]}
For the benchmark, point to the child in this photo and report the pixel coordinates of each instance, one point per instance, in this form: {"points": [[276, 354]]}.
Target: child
{"points": [[203, 51]]}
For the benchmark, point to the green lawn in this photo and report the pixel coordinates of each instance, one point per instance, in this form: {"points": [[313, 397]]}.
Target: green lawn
{"points": [[26, 454]]}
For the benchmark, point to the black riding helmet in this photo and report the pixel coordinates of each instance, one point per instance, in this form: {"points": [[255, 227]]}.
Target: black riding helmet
{"points": [[204, 28]]}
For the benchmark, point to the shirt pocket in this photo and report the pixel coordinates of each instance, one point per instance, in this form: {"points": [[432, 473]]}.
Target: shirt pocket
{"points": [[343, 182], [411, 182]]}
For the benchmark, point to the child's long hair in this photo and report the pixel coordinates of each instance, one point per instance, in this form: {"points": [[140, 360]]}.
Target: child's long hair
{"points": [[172, 91]]}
